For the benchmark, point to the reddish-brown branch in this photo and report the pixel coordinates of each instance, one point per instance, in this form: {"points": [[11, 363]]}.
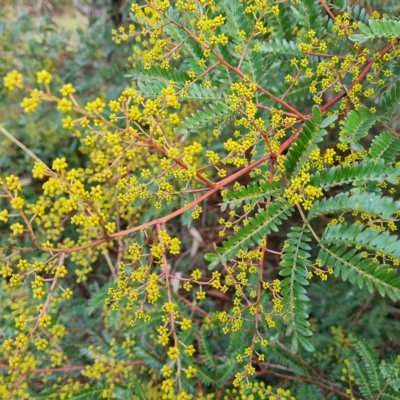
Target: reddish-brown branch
{"points": [[327, 9], [231, 67], [362, 75], [218, 186]]}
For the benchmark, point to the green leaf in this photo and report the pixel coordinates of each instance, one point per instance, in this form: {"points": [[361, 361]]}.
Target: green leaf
{"points": [[226, 371], [355, 235], [256, 229], [357, 124], [364, 29], [294, 304], [366, 171], [370, 363], [385, 146], [157, 74], [359, 37], [300, 150], [384, 27], [281, 47], [351, 265], [213, 259], [251, 194], [148, 358], [138, 389], [316, 113], [391, 100], [370, 203], [328, 120], [206, 352], [202, 118]]}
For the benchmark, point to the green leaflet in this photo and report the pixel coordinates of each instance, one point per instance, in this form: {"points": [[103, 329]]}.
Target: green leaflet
{"points": [[363, 381], [205, 376], [366, 171], [295, 259], [391, 100], [370, 363], [309, 14], [157, 74], [226, 371], [385, 146], [148, 358], [300, 151], [282, 356], [356, 126], [355, 235], [235, 19], [139, 390], [306, 391], [151, 89], [384, 27], [375, 380], [209, 114], [350, 265], [300, 92], [198, 92], [206, 353], [281, 24], [194, 91], [251, 194], [358, 13], [261, 224], [281, 47], [370, 203]]}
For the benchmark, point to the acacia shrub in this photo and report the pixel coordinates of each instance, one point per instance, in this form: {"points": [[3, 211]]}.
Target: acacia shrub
{"points": [[282, 116]]}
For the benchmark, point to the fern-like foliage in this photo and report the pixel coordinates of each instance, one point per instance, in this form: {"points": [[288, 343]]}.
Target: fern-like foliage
{"points": [[377, 28], [370, 362], [309, 15], [357, 12], [307, 391], [148, 358], [281, 47], [194, 92], [351, 265], [202, 118], [384, 243], [356, 126], [369, 203], [391, 100], [191, 47], [300, 151], [254, 232], [139, 390], [300, 92], [236, 20], [198, 92], [206, 352], [282, 356], [295, 259], [215, 371], [375, 380], [281, 23], [251, 194], [366, 171], [385, 146], [157, 74]]}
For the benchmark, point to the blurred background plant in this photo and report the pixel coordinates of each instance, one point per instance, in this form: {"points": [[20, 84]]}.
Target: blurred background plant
{"points": [[56, 36]]}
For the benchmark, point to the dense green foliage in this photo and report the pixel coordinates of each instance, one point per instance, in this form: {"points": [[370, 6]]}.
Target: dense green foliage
{"points": [[202, 203]]}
